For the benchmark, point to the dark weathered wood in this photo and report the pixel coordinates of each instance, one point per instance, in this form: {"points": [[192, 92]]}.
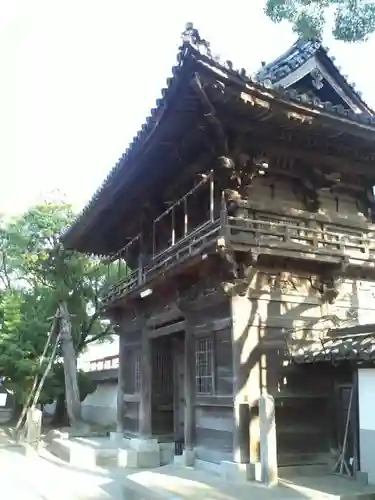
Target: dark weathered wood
{"points": [[160, 318], [189, 385], [121, 384], [214, 427], [145, 422], [218, 401], [166, 330]]}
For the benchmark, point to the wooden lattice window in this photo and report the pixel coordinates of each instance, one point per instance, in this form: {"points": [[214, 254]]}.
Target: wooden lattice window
{"points": [[204, 366]]}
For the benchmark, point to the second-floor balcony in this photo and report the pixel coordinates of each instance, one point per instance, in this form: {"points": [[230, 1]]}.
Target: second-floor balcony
{"points": [[292, 234], [300, 235]]}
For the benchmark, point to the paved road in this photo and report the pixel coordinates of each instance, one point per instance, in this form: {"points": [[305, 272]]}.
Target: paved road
{"points": [[46, 478]]}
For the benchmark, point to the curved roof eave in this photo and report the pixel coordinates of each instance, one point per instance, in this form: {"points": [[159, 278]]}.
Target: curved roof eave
{"points": [[297, 55], [94, 206]]}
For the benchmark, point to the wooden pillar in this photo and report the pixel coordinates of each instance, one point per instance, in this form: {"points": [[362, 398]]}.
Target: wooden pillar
{"points": [[145, 428], [189, 424], [241, 439], [120, 385], [268, 446]]}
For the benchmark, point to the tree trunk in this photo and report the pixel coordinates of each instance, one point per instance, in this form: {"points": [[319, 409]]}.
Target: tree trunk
{"points": [[73, 402], [60, 417]]}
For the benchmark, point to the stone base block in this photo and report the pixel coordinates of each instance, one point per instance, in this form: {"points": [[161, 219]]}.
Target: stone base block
{"points": [[232, 471], [56, 434], [187, 459], [116, 437], [362, 478], [166, 453], [140, 444], [31, 451], [127, 458], [147, 453], [256, 472], [82, 456], [148, 459]]}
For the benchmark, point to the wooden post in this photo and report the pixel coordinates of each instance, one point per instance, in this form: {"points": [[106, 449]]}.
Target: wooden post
{"points": [[189, 386], [120, 386], [212, 197], [145, 429], [268, 448], [241, 438]]}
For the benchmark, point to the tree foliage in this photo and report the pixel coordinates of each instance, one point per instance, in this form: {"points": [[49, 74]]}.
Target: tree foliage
{"points": [[36, 274], [353, 20]]}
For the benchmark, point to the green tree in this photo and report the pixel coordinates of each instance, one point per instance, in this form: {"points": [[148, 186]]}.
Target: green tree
{"points": [[37, 275], [353, 20]]}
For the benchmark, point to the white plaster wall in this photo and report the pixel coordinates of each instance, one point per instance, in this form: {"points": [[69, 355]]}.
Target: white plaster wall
{"points": [[100, 407], [99, 350], [366, 398]]}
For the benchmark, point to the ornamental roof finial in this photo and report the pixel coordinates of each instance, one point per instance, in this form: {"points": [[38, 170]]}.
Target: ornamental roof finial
{"points": [[191, 36]]}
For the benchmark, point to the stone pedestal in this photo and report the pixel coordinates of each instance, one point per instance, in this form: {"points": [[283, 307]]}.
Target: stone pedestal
{"points": [[82, 456], [234, 471], [146, 452], [268, 447], [33, 429], [187, 459], [116, 437]]}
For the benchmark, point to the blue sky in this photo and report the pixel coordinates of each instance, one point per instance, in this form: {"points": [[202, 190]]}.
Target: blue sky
{"points": [[78, 78]]}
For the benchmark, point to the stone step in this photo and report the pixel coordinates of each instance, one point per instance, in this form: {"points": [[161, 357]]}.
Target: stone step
{"points": [[108, 453]]}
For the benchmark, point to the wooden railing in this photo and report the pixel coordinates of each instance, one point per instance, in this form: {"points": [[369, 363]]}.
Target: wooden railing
{"points": [[189, 246], [272, 233], [305, 236]]}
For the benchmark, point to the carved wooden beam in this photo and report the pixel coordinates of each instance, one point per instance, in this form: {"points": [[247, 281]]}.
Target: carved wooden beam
{"points": [[217, 128]]}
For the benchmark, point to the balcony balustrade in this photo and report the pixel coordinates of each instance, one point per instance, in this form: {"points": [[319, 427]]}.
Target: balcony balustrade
{"points": [[305, 237], [302, 236]]}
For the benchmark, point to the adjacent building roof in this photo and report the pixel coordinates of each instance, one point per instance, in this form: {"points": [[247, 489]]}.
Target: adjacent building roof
{"points": [[356, 343], [132, 169], [308, 63]]}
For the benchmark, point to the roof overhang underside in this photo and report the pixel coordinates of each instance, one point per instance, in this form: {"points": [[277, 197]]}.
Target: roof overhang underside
{"points": [[135, 177]]}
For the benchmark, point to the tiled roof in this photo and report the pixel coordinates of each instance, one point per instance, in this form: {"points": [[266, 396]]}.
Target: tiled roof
{"points": [[355, 344], [193, 47], [297, 55]]}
